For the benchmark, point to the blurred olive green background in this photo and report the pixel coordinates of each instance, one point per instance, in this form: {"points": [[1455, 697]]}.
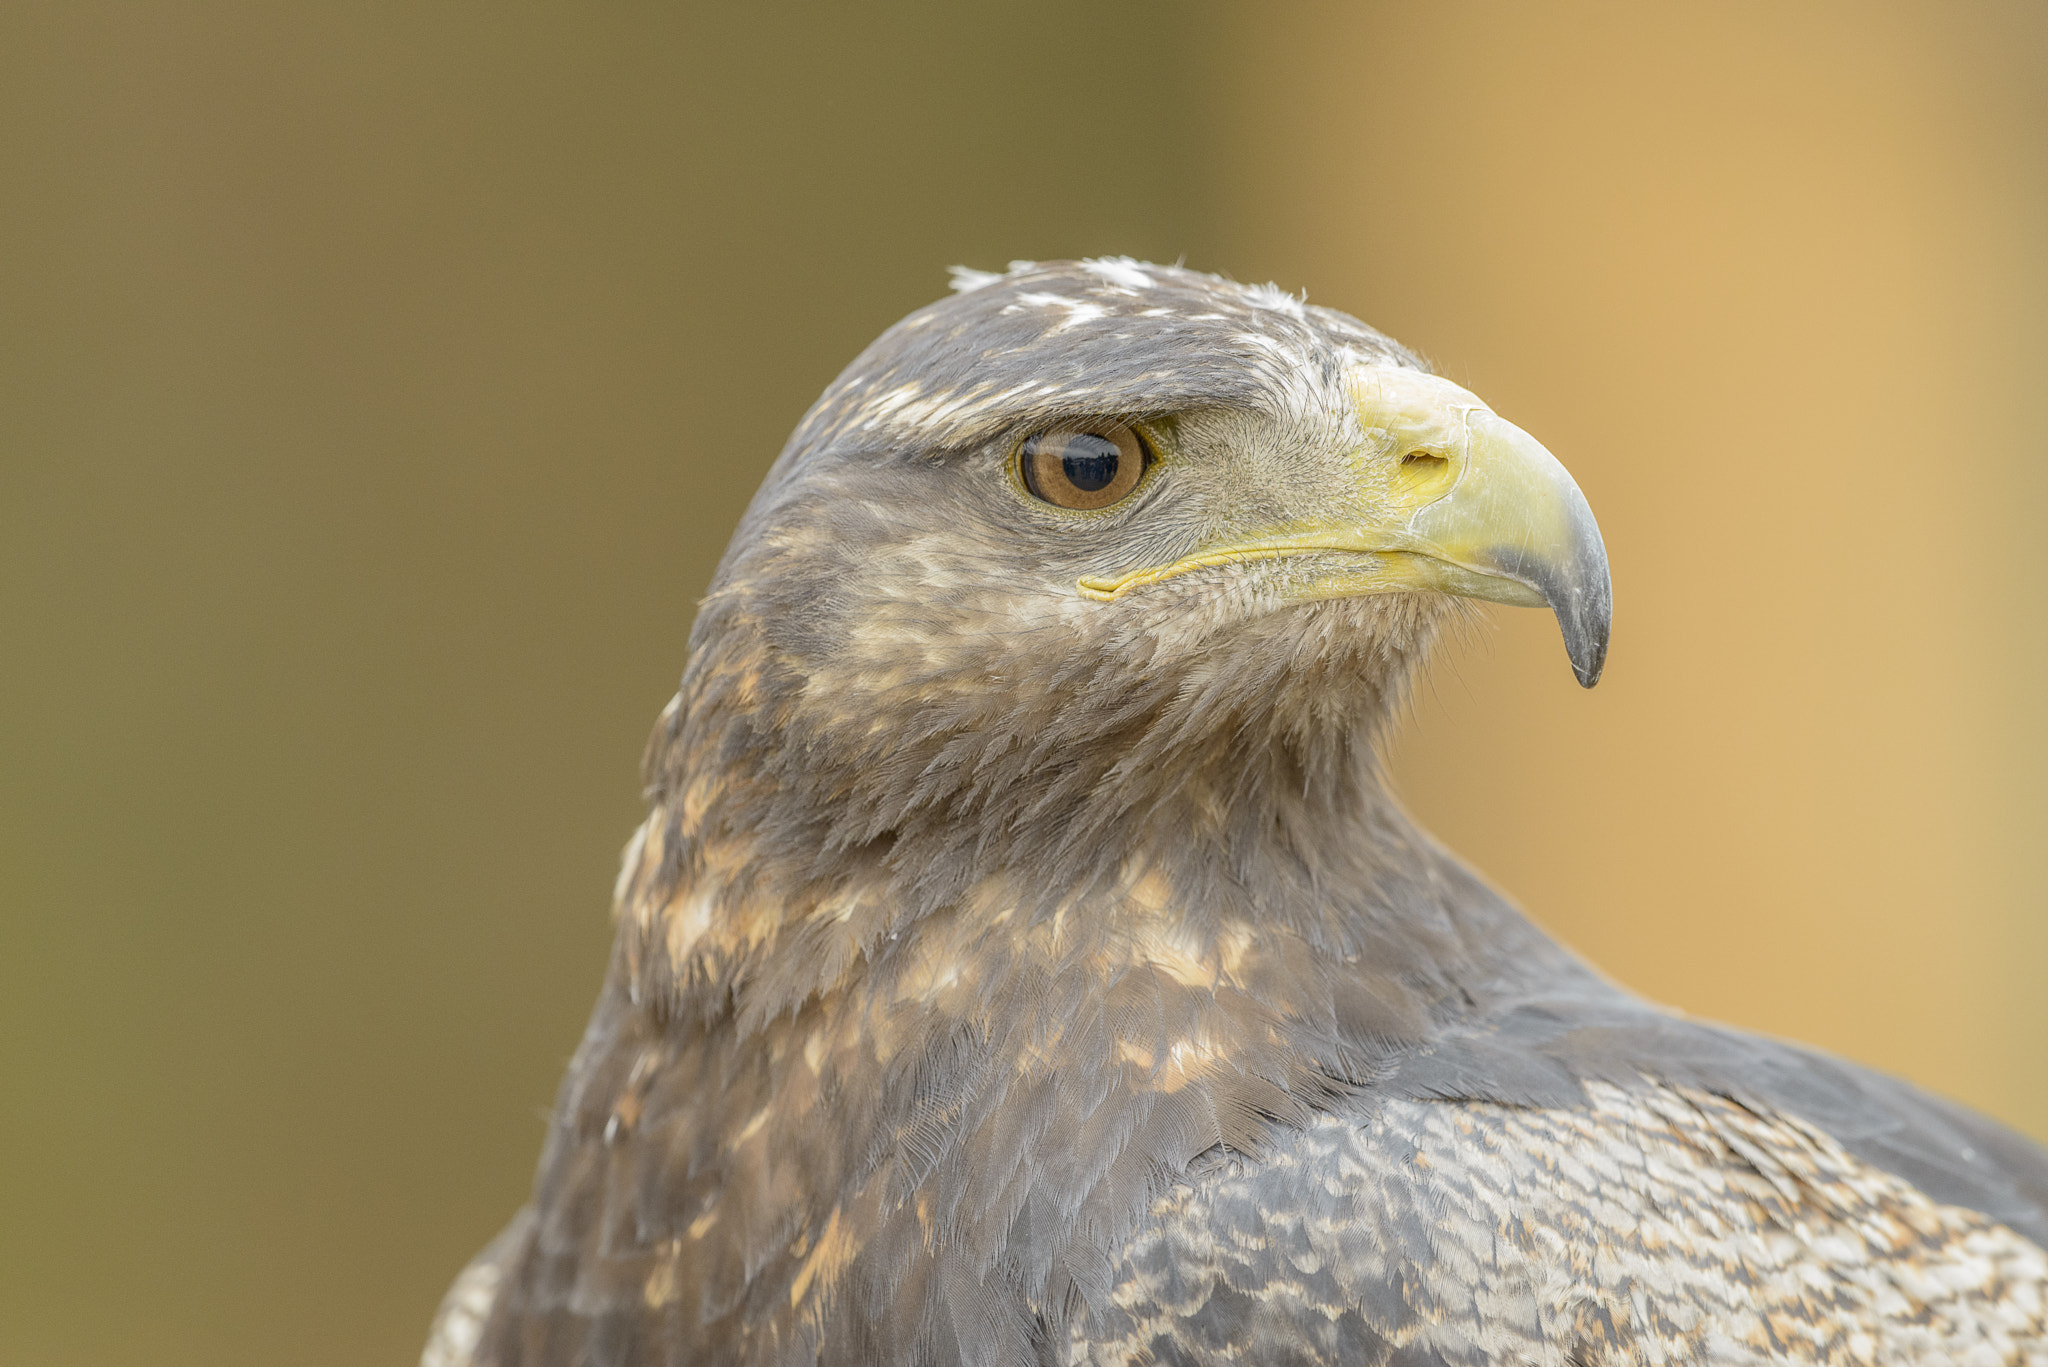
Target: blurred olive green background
{"points": [[378, 385]]}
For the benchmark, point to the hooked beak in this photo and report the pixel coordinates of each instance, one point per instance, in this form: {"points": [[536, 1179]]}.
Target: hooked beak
{"points": [[1443, 495]]}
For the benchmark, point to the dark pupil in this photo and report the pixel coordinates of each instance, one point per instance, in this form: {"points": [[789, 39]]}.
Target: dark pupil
{"points": [[1090, 461]]}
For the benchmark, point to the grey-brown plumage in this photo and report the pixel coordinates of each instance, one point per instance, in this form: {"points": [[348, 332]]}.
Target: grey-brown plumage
{"points": [[1023, 961]]}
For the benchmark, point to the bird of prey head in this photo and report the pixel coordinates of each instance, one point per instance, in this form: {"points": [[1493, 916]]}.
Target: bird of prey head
{"points": [[1093, 564]]}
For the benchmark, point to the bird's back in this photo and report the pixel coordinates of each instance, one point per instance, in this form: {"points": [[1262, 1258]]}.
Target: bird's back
{"points": [[1649, 1222]]}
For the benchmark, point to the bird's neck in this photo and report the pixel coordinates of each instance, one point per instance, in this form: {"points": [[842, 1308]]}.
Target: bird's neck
{"points": [[1289, 881]]}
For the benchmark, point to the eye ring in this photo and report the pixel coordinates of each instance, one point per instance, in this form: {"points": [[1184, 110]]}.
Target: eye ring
{"points": [[1083, 467]]}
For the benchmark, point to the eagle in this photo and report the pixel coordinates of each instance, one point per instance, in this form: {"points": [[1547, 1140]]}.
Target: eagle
{"points": [[1024, 960]]}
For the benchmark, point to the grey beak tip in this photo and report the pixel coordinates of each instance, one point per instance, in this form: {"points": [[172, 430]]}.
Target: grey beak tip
{"points": [[1579, 593], [1585, 627], [1589, 672]]}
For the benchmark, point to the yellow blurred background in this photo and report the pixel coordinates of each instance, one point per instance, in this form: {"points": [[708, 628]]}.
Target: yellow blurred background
{"points": [[378, 385]]}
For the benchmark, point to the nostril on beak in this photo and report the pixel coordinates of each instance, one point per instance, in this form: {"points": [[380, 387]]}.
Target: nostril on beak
{"points": [[1426, 460]]}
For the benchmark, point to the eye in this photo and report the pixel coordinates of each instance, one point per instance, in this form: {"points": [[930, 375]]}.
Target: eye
{"points": [[1083, 467]]}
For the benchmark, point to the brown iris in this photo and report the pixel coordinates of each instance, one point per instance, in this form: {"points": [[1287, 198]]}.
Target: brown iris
{"points": [[1083, 467]]}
